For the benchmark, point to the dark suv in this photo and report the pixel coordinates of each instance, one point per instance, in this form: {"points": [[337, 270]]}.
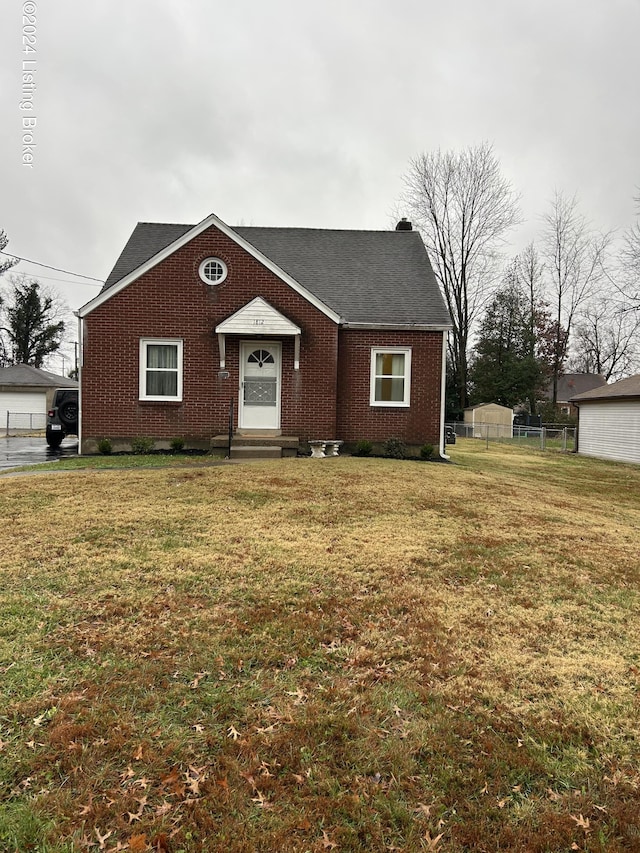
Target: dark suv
{"points": [[62, 417]]}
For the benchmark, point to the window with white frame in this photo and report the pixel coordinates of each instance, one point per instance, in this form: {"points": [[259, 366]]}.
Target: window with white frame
{"points": [[160, 369], [391, 376]]}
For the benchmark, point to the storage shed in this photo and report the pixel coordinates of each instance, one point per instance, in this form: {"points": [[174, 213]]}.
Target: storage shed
{"points": [[491, 418], [609, 421]]}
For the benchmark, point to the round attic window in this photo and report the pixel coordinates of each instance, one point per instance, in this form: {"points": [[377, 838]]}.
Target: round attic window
{"points": [[213, 271]]}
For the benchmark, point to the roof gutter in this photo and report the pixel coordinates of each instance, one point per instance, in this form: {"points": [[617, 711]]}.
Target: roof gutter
{"points": [[399, 327]]}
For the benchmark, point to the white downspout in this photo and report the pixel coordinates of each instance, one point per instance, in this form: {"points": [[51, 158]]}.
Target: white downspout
{"points": [[80, 360], [443, 394]]}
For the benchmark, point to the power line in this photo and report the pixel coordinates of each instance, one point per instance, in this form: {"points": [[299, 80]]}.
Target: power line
{"points": [[57, 269]]}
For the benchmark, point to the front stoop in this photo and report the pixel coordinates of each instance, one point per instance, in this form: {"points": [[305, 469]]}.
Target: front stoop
{"points": [[257, 445], [255, 451]]}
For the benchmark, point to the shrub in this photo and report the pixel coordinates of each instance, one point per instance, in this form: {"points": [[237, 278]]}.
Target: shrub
{"points": [[426, 451], [105, 447], [142, 444], [177, 444], [395, 448], [363, 448]]}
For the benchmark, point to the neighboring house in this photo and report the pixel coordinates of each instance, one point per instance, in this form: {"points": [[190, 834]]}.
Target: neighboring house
{"points": [[491, 418], [570, 385], [609, 421], [311, 333], [25, 395]]}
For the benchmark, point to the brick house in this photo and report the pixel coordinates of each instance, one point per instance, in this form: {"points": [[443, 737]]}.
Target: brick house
{"points": [[310, 333]]}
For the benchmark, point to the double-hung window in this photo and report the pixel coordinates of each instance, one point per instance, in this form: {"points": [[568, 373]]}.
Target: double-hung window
{"points": [[391, 376], [160, 369]]}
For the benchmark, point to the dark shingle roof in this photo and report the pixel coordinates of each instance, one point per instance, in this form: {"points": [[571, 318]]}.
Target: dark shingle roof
{"points": [[629, 387], [572, 384], [364, 276], [28, 376]]}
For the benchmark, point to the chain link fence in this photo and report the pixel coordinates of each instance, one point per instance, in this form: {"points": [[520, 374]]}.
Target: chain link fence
{"points": [[24, 423], [538, 438]]}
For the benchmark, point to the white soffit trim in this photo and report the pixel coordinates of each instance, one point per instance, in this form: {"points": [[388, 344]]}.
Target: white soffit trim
{"points": [[211, 220], [399, 327], [257, 318]]}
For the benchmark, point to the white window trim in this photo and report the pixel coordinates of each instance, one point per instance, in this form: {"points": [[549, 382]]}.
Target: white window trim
{"points": [[144, 342], [406, 402], [203, 277]]}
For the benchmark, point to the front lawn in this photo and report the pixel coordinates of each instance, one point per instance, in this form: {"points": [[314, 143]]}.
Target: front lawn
{"points": [[309, 655]]}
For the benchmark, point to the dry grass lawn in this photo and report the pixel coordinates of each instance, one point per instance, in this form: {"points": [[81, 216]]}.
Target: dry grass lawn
{"points": [[347, 655]]}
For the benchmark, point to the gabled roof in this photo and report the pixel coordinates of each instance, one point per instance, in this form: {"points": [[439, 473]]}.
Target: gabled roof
{"points": [[366, 278], [28, 376], [629, 387], [572, 384]]}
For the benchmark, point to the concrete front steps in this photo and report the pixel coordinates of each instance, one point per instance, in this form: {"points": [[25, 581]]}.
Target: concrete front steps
{"points": [[257, 445]]}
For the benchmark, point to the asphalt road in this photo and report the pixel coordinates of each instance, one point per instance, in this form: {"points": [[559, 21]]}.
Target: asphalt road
{"points": [[30, 450]]}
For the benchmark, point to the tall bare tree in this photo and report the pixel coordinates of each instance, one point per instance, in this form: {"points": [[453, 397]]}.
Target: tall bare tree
{"points": [[463, 207], [606, 340], [630, 263], [574, 257], [8, 261]]}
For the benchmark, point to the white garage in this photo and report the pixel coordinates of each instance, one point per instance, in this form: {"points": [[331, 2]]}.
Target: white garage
{"points": [[25, 394], [609, 421]]}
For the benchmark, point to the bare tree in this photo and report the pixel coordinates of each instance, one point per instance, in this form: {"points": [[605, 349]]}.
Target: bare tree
{"points": [[630, 263], [10, 261], [463, 207], [574, 258], [606, 340]]}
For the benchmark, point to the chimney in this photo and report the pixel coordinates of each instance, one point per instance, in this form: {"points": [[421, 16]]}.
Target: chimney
{"points": [[404, 225]]}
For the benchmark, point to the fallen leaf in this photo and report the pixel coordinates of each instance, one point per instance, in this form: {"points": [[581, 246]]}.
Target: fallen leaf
{"points": [[138, 843], [423, 810], [102, 838], [233, 733], [137, 755], [582, 822], [327, 843], [261, 801], [432, 842]]}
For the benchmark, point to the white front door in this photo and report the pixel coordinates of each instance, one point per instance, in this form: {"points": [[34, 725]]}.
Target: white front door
{"points": [[259, 385]]}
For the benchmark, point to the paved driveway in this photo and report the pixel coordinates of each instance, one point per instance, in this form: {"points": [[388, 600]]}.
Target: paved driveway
{"points": [[31, 450]]}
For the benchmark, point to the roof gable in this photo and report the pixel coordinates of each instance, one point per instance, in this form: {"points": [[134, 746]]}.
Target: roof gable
{"points": [[258, 317], [178, 237]]}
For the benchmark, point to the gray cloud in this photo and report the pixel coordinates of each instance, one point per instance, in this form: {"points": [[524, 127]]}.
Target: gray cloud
{"points": [[299, 114]]}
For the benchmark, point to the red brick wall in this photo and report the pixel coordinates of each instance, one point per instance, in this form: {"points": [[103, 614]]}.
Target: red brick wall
{"points": [[357, 419], [170, 301]]}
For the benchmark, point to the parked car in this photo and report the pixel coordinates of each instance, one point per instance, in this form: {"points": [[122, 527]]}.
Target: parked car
{"points": [[449, 435], [62, 417]]}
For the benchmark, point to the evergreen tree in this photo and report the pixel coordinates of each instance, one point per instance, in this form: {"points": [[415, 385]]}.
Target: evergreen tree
{"points": [[509, 367], [31, 331]]}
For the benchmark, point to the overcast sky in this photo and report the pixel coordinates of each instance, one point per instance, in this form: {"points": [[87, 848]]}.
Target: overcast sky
{"points": [[274, 112]]}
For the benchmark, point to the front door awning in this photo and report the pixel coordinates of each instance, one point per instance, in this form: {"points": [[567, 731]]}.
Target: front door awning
{"points": [[258, 318]]}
